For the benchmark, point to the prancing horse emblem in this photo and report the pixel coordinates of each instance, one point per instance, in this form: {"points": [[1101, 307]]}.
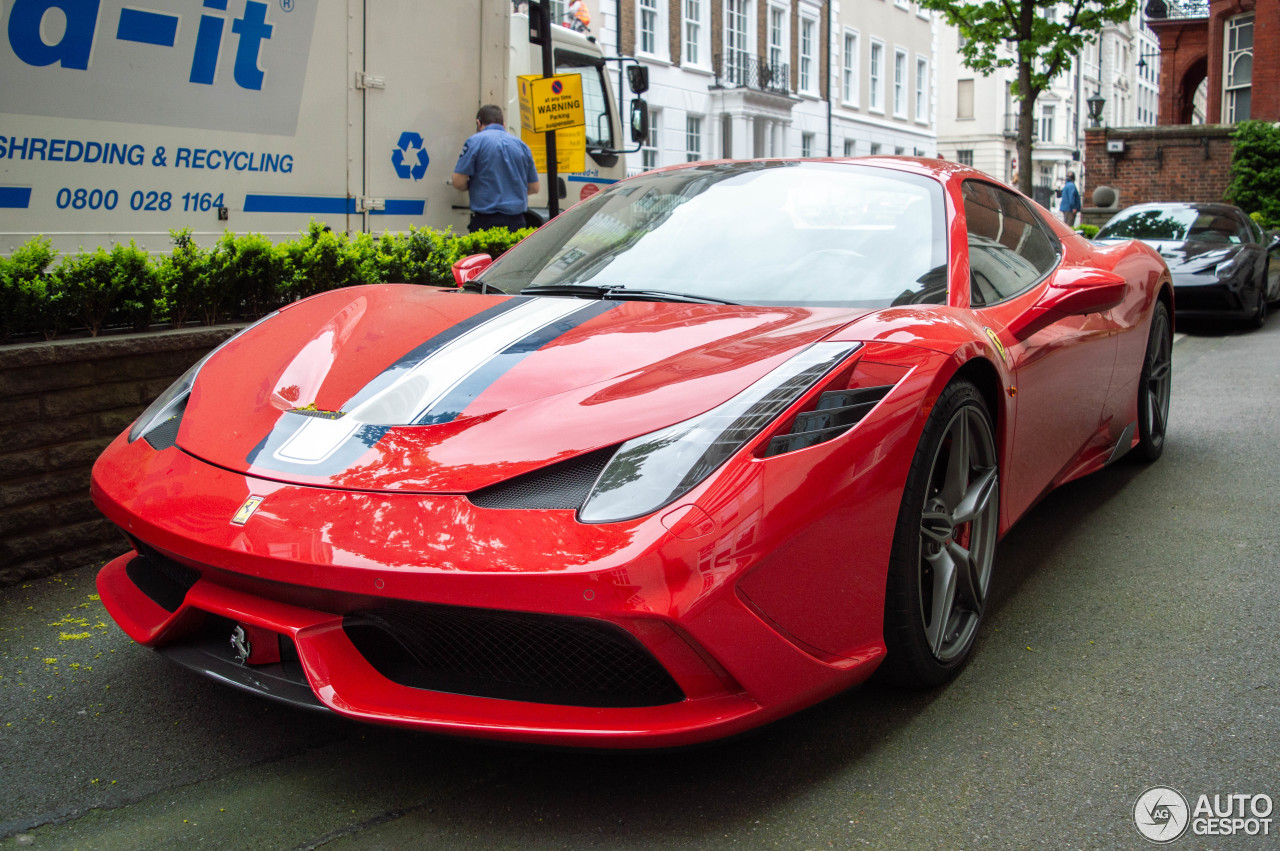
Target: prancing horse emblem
{"points": [[240, 644]]}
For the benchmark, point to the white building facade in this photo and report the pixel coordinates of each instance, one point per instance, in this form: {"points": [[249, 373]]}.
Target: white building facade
{"points": [[786, 78]]}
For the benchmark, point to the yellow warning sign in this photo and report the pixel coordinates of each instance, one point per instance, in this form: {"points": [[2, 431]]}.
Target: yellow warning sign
{"points": [[571, 149], [551, 103]]}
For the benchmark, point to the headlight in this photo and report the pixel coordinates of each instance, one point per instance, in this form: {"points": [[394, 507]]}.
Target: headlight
{"points": [[651, 471], [172, 401], [1230, 267]]}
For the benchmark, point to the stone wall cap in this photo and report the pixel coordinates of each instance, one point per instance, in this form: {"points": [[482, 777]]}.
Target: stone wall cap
{"points": [[115, 345]]}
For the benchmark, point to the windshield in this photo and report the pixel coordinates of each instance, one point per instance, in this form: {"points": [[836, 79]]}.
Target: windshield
{"points": [[768, 233], [595, 104], [1166, 223]]}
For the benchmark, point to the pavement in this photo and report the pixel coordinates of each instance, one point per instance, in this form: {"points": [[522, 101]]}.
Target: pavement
{"points": [[1132, 640]]}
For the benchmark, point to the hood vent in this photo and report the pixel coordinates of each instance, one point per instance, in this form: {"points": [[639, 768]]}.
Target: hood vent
{"points": [[837, 412], [564, 485]]}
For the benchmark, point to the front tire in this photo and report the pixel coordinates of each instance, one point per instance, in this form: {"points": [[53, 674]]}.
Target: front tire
{"points": [[944, 543], [1155, 387]]}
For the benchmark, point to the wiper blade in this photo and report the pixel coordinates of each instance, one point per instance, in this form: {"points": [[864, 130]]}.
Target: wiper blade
{"points": [[616, 293]]}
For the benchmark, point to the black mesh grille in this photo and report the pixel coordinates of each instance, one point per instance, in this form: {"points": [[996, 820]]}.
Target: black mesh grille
{"points": [[511, 655], [165, 435], [318, 414], [563, 485], [161, 578]]}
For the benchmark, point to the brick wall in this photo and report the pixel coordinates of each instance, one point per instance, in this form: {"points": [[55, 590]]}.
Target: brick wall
{"points": [[64, 402], [1178, 163]]}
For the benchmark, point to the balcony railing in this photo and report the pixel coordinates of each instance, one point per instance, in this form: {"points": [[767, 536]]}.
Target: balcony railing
{"points": [[742, 70], [1011, 125], [1157, 10]]}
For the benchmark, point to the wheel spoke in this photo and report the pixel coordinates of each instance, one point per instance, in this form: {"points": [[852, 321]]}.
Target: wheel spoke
{"points": [[970, 589], [936, 526], [944, 598], [1159, 372], [957, 473], [976, 499]]}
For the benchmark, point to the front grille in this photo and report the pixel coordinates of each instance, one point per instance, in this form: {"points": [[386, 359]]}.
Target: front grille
{"points": [[535, 658], [564, 485], [159, 577]]}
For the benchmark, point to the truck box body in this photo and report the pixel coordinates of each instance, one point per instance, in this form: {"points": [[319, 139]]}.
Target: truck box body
{"points": [[120, 121]]}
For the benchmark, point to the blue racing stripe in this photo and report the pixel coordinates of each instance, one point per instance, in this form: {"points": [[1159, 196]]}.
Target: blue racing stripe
{"points": [[456, 401]]}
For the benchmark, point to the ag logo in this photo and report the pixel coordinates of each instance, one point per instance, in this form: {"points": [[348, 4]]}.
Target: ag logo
{"points": [[1161, 814], [404, 152]]}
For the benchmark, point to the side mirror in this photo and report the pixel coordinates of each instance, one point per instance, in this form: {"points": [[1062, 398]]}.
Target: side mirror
{"points": [[1275, 240], [470, 268], [1072, 292], [639, 120], [638, 79]]}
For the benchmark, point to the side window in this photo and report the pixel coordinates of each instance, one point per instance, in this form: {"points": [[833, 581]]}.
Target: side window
{"points": [[1247, 228], [1009, 249]]}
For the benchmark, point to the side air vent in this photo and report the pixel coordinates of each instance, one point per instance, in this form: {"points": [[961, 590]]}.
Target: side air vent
{"points": [[837, 412], [165, 434], [563, 485], [159, 577]]}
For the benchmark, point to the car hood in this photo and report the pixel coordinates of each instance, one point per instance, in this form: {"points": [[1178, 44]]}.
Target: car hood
{"points": [[416, 389], [1193, 257]]}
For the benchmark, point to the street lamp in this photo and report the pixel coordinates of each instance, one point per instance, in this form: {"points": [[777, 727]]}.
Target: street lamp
{"points": [[1144, 56], [1096, 103]]}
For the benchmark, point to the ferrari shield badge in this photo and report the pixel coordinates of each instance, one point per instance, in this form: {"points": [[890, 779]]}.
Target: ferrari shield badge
{"points": [[995, 341], [247, 508]]}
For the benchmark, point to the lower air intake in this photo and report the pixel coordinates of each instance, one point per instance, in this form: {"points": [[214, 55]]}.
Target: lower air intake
{"points": [[159, 577], [511, 655]]}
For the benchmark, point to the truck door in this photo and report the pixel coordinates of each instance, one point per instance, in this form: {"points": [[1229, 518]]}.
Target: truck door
{"points": [[426, 69]]}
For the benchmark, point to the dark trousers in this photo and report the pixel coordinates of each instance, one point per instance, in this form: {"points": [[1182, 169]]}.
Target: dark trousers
{"points": [[484, 221]]}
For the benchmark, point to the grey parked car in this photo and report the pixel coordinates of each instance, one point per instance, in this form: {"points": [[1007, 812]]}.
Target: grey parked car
{"points": [[1223, 264]]}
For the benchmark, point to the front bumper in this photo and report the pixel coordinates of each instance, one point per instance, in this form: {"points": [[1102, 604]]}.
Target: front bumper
{"points": [[306, 566]]}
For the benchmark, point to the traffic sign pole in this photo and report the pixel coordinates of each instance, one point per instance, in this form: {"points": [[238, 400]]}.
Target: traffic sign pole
{"points": [[549, 70]]}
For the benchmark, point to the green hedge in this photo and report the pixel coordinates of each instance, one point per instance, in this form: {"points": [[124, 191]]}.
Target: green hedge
{"points": [[1255, 171], [241, 277]]}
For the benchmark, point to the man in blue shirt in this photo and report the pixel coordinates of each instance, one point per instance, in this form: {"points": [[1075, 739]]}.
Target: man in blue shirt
{"points": [[497, 169], [1070, 205]]}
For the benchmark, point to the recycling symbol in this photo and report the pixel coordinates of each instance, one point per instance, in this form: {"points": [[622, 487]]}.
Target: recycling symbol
{"points": [[409, 142]]}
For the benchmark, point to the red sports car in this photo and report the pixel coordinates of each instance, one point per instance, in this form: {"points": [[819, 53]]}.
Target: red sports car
{"points": [[715, 444]]}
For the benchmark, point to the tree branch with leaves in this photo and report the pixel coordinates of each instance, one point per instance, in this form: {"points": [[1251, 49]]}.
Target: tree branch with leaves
{"points": [[1019, 34]]}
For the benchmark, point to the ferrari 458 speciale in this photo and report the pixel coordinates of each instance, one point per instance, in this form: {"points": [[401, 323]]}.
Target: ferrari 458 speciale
{"points": [[711, 446]]}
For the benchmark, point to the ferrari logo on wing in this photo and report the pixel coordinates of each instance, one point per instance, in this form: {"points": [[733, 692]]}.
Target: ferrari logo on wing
{"points": [[247, 508], [995, 340]]}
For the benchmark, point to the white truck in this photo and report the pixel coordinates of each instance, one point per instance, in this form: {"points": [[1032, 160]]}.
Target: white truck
{"points": [[123, 120]]}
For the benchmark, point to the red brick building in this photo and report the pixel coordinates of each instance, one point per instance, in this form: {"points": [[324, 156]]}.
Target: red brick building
{"points": [[1232, 45]]}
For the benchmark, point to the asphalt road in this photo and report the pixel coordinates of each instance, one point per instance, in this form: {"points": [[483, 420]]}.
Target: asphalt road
{"points": [[1133, 640]]}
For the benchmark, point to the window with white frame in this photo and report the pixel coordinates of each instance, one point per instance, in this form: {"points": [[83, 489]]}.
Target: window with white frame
{"points": [[737, 44], [692, 138], [875, 149], [965, 157], [694, 48], [899, 151], [649, 149], [647, 27], [1238, 74], [1045, 130], [900, 83], [806, 144], [850, 148], [808, 46], [922, 90], [777, 38], [849, 71], [876, 77]]}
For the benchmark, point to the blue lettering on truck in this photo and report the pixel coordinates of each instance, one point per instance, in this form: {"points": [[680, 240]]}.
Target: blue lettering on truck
{"points": [[75, 46], [227, 65]]}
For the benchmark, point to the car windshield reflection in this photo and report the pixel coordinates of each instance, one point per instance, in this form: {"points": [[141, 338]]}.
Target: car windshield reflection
{"points": [[764, 233]]}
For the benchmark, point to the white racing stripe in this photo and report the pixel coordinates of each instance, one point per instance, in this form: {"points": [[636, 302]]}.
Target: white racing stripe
{"points": [[428, 381]]}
